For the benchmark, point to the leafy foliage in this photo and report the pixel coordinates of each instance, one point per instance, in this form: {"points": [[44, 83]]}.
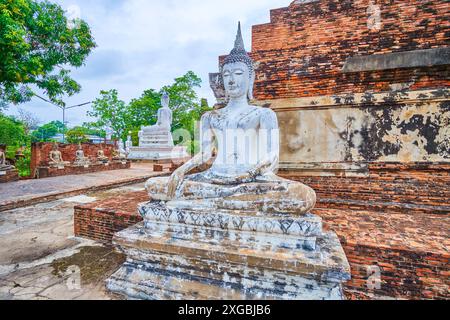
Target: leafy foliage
{"points": [[13, 135], [37, 48], [91, 129], [23, 164], [110, 110], [47, 131], [12, 132], [76, 135]]}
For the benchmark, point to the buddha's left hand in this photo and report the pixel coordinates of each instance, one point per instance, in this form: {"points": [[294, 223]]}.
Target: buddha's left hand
{"points": [[174, 182]]}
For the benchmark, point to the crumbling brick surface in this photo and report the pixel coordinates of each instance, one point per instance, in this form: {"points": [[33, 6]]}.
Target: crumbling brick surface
{"points": [[394, 187], [100, 220], [9, 176], [302, 51]]}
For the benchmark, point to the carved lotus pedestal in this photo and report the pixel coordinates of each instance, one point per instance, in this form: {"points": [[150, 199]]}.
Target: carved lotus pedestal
{"points": [[180, 254]]}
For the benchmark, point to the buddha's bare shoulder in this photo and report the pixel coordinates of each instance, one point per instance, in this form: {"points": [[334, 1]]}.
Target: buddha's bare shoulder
{"points": [[208, 115], [265, 114]]}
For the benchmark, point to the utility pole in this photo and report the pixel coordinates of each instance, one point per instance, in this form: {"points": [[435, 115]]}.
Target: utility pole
{"points": [[64, 108]]}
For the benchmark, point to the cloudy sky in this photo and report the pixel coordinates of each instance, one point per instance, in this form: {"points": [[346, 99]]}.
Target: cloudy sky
{"points": [[145, 44]]}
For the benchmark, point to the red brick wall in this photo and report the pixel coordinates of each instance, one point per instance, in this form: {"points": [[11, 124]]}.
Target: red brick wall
{"points": [[102, 219], [404, 274], [301, 52], [10, 176], [406, 188], [40, 152]]}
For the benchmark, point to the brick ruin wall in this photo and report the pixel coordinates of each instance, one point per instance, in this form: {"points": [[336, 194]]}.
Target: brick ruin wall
{"points": [[40, 152], [302, 51], [373, 144], [381, 113]]}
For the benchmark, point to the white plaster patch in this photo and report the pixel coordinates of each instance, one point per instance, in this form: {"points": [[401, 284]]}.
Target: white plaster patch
{"points": [[80, 199]]}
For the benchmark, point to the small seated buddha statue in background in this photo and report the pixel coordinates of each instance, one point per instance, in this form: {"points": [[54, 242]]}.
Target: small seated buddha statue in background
{"points": [[246, 139], [80, 159], [55, 157], [119, 153], [101, 156], [20, 153], [3, 163]]}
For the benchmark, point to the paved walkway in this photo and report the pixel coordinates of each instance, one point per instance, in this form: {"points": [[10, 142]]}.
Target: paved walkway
{"points": [[27, 192], [40, 258]]}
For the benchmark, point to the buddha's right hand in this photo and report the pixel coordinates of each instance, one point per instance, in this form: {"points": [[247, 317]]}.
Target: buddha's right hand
{"points": [[175, 180]]}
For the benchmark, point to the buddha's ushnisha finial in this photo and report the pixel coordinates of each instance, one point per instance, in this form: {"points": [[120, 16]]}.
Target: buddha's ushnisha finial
{"points": [[239, 54], [239, 42]]}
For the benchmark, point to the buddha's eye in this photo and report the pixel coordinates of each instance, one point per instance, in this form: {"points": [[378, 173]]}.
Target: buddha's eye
{"points": [[239, 72], [226, 74]]}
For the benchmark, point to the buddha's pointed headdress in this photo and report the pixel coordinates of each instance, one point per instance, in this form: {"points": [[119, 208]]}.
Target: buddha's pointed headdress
{"points": [[239, 54]]}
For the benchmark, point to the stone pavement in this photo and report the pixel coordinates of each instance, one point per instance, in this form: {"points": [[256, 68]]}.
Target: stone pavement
{"points": [[27, 192], [41, 259]]}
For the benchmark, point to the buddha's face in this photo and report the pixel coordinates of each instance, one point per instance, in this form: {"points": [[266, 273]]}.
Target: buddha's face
{"points": [[236, 79]]}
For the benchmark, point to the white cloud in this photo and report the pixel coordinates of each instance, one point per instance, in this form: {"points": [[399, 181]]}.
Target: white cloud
{"points": [[147, 43]]}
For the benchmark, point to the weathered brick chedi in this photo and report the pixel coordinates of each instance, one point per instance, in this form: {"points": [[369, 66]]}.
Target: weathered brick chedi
{"points": [[361, 90]]}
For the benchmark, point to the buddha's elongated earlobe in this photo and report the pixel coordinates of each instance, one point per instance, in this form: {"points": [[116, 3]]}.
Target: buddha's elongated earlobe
{"points": [[251, 85]]}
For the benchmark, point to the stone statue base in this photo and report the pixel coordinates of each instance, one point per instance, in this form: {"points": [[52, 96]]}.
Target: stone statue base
{"points": [[157, 153], [9, 175], [183, 254]]}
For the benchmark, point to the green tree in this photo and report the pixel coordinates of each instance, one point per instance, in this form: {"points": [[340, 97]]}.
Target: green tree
{"points": [[143, 111], [110, 110], [183, 99], [76, 135], [38, 46], [12, 132], [47, 131], [91, 129]]}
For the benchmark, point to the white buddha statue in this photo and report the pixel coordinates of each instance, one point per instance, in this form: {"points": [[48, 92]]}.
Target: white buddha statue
{"points": [[3, 165], [101, 156], [164, 117], [80, 159], [120, 152], [246, 139], [55, 157]]}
